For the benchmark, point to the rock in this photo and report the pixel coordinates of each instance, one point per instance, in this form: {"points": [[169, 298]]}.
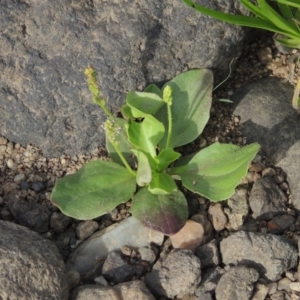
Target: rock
{"points": [[217, 216], [86, 228], [284, 284], [89, 256], [116, 269], [237, 284], [59, 222], [147, 254], [127, 290], [269, 119], [31, 267], [180, 266], [272, 288], [143, 41], [209, 255], [101, 280], [266, 199], [264, 55], [191, 235], [202, 219], [32, 215], [19, 177], [295, 286], [270, 255], [278, 296], [73, 279], [250, 225], [210, 278], [237, 210], [38, 186], [260, 292], [280, 224]]}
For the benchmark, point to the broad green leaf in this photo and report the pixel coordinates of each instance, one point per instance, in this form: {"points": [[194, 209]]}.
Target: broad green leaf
{"points": [[142, 103], [152, 88], [126, 112], [146, 135], [165, 158], [253, 22], [164, 213], [215, 171], [192, 96], [144, 172], [96, 189], [123, 144], [162, 184]]}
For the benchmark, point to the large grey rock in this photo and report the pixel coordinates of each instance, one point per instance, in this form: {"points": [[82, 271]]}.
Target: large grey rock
{"points": [[270, 255], [266, 111], [88, 258], [46, 45], [237, 284], [176, 275], [127, 290], [30, 266]]}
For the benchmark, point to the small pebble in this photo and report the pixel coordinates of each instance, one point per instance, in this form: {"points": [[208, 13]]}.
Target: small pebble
{"points": [[101, 280], [38, 186], [126, 250], [279, 178], [86, 228], [284, 284], [9, 147], [264, 55], [2, 149], [284, 186], [73, 279], [272, 288], [19, 177], [268, 172], [292, 276], [295, 286], [3, 140], [10, 163]]}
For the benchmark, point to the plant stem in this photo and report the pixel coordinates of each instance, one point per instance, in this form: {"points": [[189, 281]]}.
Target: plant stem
{"points": [[169, 124], [115, 145], [101, 103]]}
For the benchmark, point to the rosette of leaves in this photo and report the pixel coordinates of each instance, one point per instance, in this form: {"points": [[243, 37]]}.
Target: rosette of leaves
{"points": [[285, 22], [145, 164]]}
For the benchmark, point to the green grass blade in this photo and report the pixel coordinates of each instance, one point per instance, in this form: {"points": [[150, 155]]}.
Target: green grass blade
{"points": [[287, 13], [254, 9], [290, 43], [277, 19], [240, 20], [294, 3]]}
